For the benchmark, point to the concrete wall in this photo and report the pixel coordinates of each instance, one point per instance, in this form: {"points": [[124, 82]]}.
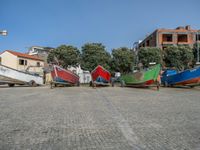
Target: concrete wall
{"points": [[85, 77], [151, 40]]}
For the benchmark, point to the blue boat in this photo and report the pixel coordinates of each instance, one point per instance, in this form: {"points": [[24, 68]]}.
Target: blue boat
{"points": [[190, 77]]}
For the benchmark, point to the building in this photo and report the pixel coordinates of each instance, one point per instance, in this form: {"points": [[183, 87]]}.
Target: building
{"points": [[136, 45], [84, 76], [167, 37], [22, 62], [39, 51]]}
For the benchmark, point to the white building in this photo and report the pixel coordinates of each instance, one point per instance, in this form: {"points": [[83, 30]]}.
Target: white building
{"points": [[85, 76], [35, 50], [40, 51]]}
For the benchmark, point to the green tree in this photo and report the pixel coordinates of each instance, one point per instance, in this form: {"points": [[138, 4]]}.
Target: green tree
{"points": [[65, 55], [94, 54], [122, 59], [196, 48], [149, 54], [179, 57]]}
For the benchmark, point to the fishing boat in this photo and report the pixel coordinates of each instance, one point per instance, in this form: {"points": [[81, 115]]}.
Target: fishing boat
{"points": [[63, 76], [142, 78], [190, 77], [100, 76], [14, 77]]}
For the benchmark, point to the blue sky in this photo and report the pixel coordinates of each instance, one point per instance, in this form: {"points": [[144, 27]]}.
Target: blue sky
{"points": [[115, 23]]}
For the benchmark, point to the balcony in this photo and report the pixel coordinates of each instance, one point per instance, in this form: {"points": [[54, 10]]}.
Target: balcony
{"points": [[167, 38]]}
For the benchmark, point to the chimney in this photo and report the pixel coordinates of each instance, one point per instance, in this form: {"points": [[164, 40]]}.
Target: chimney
{"points": [[188, 27]]}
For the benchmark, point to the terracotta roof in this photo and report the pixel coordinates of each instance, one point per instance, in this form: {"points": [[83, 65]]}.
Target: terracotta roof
{"points": [[24, 55]]}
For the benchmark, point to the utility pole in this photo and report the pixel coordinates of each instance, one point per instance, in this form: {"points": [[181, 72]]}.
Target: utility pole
{"points": [[198, 40], [135, 51]]}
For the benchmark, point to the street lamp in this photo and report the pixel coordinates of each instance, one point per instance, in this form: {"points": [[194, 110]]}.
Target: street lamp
{"points": [[4, 32], [198, 47]]}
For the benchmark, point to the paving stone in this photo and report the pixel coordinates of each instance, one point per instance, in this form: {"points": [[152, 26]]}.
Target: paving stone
{"points": [[103, 118]]}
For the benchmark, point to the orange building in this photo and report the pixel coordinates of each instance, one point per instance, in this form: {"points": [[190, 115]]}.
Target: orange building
{"points": [[167, 37]]}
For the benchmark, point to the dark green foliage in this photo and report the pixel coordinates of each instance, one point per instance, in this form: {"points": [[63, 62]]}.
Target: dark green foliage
{"points": [[94, 54], [123, 59], [179, 57], [149, 54], [195, 50], [65, 55]]}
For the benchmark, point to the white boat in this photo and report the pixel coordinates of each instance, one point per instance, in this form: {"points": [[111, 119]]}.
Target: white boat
{"points": [[11, 77]]}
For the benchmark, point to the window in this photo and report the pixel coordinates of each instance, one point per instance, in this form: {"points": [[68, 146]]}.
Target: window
{"points": [[38, 64], [182, 38], [167, 38], [143, 45], [22, 62], [147, 43]]}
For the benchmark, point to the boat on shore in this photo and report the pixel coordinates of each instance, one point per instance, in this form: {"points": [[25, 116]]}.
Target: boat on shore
{"points": [[189, 77], [142, 78], [63, 76], [100, 76], [14, 77]]}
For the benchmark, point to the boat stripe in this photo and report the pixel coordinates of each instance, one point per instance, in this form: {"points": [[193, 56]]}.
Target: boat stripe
{"points": [[186, 80]]}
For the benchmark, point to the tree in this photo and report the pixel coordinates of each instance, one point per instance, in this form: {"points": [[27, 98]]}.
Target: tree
{"points": [[179, 57], [149, 54], [122, 60], [65, 55], [196, 48], [94, 54]]}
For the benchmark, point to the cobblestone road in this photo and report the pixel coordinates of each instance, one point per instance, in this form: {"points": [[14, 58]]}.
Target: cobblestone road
{"points": [[103, 118]]}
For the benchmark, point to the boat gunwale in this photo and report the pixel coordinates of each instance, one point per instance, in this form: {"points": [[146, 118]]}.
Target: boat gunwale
{"points": [[72, 73], [21, 71]]}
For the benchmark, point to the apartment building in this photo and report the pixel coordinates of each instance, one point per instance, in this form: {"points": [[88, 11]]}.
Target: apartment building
{"points": [[167, 37]]}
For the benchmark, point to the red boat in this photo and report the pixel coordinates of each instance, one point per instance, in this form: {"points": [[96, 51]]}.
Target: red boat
{"points": [[100, 76], [62, 76]]}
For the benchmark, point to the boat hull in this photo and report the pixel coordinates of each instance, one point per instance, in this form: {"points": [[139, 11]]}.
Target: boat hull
{"points": [[189, 77], [142, 79], [101, 76], [10, 75], [64, 76]]}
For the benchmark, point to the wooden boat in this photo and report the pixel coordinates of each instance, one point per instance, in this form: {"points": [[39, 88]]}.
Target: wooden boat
{"points": [[63, 76], [100, 76], [12, 76], [142, 78], [190, 77]]}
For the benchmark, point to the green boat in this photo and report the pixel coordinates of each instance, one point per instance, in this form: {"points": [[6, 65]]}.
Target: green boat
{"points": [[142, 78]]}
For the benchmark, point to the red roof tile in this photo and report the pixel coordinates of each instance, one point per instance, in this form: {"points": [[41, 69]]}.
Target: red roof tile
{"points": [[24, 55]]}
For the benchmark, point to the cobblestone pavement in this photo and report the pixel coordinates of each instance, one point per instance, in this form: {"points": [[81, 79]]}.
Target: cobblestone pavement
{"points": [[104, 118]]}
